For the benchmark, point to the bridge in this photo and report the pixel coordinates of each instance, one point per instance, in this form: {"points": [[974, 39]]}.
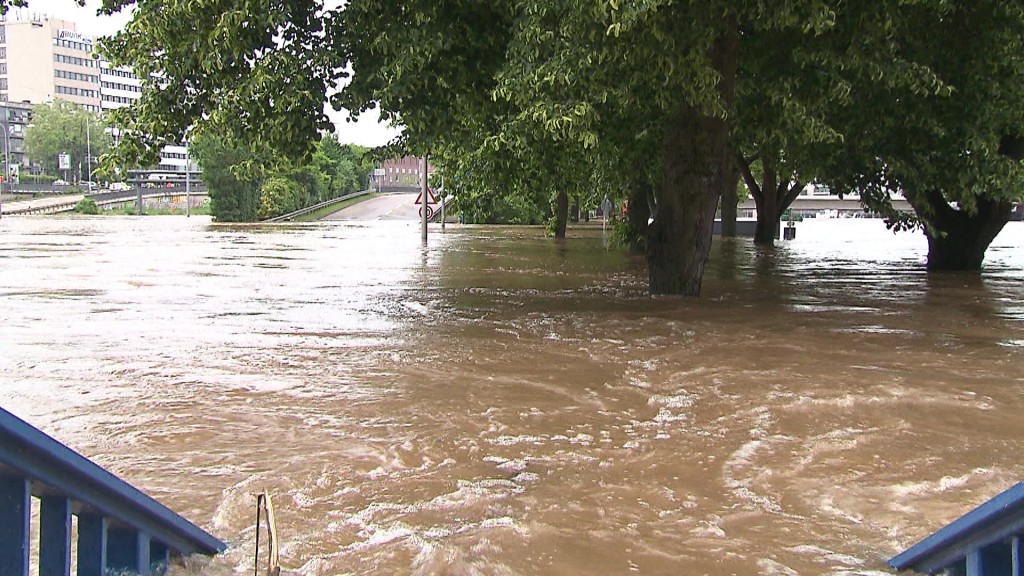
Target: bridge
{"points": [[120, 529], [67, 202]]}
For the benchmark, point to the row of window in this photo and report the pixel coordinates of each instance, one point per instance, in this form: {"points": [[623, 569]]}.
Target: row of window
{"points": [[72, 91], [119, 73], [82, 46], [118, 99], [119, 86], [68, 75], [86, 62]]}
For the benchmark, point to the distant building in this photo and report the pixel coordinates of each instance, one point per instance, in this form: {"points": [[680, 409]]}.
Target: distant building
{"points": [[42, 60], [14, 118], [401, 172], [45, 59]]}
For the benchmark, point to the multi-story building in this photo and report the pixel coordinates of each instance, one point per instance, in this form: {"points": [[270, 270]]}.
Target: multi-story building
{"points": [[42, 60], [46, 59], [120, 87], [403, 171], [14, 118]]}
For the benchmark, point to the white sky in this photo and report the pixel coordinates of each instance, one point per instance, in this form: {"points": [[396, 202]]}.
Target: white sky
{"points": [[367, 131]]}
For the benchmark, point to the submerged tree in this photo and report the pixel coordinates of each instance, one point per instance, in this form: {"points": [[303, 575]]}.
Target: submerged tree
{"points": [[664, 75], [950, 152]]}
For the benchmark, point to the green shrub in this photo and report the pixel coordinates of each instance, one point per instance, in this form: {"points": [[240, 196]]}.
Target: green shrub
{"points": [[87, 206]]}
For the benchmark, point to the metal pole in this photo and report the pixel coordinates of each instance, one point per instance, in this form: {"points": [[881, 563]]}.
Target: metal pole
{"points": [[88, 154], [425, 196], [188, 185], [7, 156], [444, 194]]}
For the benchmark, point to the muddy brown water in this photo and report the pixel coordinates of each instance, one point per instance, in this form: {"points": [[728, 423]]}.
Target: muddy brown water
{"points": [[503, 404]]}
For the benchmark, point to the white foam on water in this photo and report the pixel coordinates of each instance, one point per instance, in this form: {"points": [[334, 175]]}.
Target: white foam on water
{"points": [[826, 554], [769, 567]]}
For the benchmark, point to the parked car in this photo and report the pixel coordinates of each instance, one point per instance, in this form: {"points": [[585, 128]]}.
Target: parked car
{"points": [[59, 182]]}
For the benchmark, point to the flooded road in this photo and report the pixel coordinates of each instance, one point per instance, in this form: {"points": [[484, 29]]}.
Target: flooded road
{"points": [[503, 404]]}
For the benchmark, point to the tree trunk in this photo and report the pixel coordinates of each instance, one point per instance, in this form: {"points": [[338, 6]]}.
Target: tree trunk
{"points": [[574, 212], [958, 240], [561, 213], [639, 215], [696, 166], [771, 197], [729, 203]]}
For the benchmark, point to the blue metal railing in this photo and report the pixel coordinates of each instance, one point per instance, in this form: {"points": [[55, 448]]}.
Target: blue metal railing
{"points": [[987, 541], [119, 528]]}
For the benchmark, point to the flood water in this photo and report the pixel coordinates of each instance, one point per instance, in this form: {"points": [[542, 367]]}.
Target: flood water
{"points": [[503, 404]]}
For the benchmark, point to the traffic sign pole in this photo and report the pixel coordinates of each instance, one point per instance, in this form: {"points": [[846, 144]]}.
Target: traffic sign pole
{"points": [[426, 198]]}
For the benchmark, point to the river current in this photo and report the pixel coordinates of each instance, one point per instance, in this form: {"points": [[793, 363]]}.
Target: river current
{"points": [[501, 403]]}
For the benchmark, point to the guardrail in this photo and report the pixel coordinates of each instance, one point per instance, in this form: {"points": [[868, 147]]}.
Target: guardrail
{"points": [[67, 204], [315, 207], [120, 529], [58, 205]]}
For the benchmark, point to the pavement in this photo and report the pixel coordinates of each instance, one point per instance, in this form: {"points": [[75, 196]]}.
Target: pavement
{"points": [[386, 207], [38, 204]]}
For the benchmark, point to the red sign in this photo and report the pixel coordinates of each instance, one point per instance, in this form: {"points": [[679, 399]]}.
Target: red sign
{"points": [[433, 199]]}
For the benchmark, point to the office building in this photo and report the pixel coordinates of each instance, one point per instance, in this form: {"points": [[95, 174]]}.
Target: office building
{"points": [[42, 60], [45, 59]]}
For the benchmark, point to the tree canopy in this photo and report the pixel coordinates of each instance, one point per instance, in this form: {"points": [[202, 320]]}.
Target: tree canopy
{"points": [[66, 128]]}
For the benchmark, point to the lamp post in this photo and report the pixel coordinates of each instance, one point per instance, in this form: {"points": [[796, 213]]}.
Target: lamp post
{"points": [[88, 155], [6, 183]]}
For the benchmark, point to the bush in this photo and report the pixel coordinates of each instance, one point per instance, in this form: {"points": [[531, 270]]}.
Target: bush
{"points": [[87, 206]]}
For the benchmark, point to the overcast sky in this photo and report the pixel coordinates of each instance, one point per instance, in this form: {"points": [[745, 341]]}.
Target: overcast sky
{"points": [[367, 132]]}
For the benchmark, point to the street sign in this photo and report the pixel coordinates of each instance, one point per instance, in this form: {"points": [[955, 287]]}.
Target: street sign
{"points": [[433, 199], [430, 212], [378, 171], [64, 162]]}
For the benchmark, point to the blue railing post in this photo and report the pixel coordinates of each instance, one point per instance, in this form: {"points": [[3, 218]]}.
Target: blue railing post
{"points": [[159, 557], [1016, 557], [92, 545], [128, 551], [54, 536], [15, 509]]}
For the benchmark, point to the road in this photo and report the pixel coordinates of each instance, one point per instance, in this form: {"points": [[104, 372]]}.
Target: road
{"points": [[387, 207]]}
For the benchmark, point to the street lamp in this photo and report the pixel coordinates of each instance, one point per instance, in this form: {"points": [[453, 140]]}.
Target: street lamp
{"points": [[6, 182]]}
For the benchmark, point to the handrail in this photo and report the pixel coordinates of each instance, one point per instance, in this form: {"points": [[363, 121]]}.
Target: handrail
{"points": [[50, 469], [315, 207]]}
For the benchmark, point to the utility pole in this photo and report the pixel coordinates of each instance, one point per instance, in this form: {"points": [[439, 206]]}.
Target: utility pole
{"points": [[425, 195], [444, 194]]}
